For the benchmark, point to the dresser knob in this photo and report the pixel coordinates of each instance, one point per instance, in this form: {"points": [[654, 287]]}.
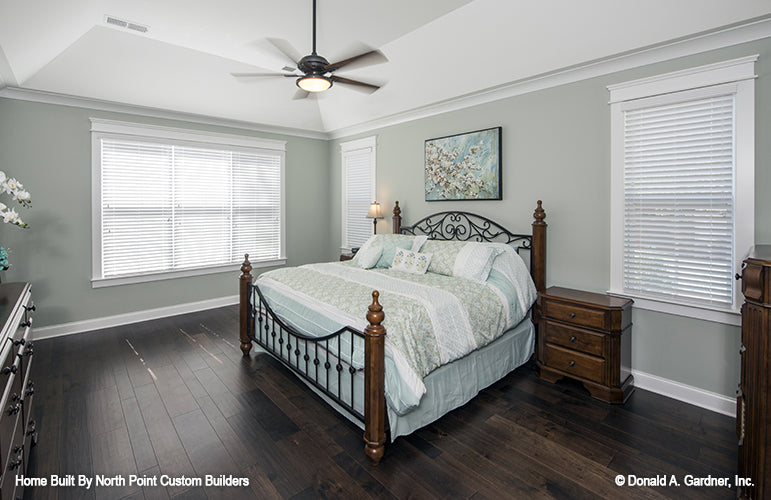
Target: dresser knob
{"points": [[737, 276], [572, 315], [19, 342], [25, 324], [30, 308], [14, 409], [742, 349], [572, 363], [9, 369], [572, 338]]}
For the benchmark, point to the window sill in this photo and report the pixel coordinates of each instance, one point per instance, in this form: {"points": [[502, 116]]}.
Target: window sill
{"points": [[724, 316], [144, 278]]}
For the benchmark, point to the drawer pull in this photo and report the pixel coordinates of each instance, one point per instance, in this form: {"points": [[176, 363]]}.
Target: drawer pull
{"points": [[742, 349], [572, 338], [572, 363], [14, 464], [572, 315], [15, 397], [19, 342], [25, 324], [14, 409], [9, 369], [30, 308]]}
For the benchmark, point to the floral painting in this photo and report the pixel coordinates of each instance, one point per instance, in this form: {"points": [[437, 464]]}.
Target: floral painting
{"points": [[464, 167]]}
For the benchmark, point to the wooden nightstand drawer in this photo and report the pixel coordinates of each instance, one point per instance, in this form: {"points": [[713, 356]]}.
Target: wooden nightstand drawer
{"points": [[573, 338], [575, 363], [578, 315]]}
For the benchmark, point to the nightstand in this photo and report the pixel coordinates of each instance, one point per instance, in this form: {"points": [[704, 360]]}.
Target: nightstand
{"points": [[588, 337], [345, 256]]}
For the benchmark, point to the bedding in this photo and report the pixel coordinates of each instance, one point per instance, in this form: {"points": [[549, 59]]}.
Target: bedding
{"points": [[432, 319]]}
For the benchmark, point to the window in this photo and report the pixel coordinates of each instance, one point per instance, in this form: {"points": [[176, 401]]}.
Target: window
{"points": [[171, 202], [358, 160], [682, 180]]}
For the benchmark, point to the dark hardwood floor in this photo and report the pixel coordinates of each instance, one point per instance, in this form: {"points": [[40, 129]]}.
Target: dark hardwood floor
{"points": [[175, 397]]}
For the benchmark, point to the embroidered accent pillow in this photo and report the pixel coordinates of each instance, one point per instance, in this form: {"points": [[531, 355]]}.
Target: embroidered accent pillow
{"points": [[411, 262]]}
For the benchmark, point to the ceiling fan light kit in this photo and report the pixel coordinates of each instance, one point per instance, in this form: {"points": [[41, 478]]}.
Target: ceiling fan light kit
{"points": [[314, 83], [317, 73]]}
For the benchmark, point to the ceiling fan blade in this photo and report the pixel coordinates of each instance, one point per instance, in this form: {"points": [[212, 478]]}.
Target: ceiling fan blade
{"points": [[300, 94], [257, 75], [365, 59], [361, 86], [285, 48]]}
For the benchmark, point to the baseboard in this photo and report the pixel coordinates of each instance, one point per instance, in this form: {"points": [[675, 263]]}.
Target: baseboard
{"points": [[686, 393], [133, 317]]}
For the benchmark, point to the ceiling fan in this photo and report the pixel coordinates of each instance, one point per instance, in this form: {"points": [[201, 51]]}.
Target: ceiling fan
{"points": [[317, 74]]}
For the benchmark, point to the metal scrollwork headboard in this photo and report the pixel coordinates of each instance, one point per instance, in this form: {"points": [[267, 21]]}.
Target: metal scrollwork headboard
{"points": [[465, 226]]}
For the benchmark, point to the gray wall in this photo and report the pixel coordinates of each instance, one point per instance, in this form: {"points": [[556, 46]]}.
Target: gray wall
{"points": [[48, 148], [556, 147]]}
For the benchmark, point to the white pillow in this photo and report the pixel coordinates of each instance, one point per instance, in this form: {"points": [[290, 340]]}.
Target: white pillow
{"points": [[369, 253], [417, 243], [474, 261], [411, 262]]}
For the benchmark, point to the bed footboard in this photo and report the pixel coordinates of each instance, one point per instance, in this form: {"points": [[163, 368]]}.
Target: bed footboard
{"points": [[333, 364]]}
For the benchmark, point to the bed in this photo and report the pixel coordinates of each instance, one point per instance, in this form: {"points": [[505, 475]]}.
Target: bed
{"points": [[454, 330]]}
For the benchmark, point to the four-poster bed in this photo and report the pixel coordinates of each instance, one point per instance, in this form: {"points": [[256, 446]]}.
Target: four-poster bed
{"points": [[354, 367]]}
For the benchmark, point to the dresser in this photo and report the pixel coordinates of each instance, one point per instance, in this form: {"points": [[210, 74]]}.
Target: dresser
{"points": [[753, 415], [588, 337], [17, 426]]}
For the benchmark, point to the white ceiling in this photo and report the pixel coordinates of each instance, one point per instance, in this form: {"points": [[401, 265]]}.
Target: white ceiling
{"points": [[437, 49]]}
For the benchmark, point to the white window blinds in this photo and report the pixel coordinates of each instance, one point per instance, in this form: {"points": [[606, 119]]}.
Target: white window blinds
{"points": [[358, 159], [679, 201], [172, 207]]}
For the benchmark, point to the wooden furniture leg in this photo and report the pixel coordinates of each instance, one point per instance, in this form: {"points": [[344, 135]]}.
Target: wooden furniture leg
{"points": [[244, 319], [374, 383]]}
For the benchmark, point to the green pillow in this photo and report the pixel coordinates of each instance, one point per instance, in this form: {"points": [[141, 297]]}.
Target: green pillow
{"points": [[389, 250]]}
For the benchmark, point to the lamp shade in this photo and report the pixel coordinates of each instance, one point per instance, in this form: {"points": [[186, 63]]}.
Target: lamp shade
{"points": [[314, 83], [374, 211]]}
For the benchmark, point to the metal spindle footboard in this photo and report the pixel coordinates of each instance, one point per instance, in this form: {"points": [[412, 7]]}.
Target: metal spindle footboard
{"points": [[327, 362]]}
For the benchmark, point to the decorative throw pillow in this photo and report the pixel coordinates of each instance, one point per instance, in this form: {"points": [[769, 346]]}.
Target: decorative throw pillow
{"points": [[417, 243], [475, 260], [369, 253], [389, 250], [444, 255], [411, 262], [470, 260]]}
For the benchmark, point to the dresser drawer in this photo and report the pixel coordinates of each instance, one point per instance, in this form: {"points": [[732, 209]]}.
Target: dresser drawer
{"points": [[577, 315], [573, 338], [574, 363]]}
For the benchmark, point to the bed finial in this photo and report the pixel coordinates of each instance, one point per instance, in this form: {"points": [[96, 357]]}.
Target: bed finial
{"points": [[539, 215], [374, 392], [244, 286], [397, 219]]}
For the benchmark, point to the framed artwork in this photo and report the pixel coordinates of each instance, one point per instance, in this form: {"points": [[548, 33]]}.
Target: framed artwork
{"points": [[464, 166]]}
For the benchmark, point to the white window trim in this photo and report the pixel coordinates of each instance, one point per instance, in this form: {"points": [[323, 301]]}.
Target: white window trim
{"points": [[101, 128], [367, 142], [736, 75]]}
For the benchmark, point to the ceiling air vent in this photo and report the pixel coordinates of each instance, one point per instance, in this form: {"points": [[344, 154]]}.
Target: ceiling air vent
{"points": [[126, 24]]}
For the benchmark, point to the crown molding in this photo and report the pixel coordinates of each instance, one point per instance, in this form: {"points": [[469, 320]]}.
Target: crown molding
{"points": [[21, 94], [724, 37]]}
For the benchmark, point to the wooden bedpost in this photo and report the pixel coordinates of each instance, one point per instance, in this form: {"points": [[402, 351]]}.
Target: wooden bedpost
{"points": [[397, 218], [245, 284], [374, 383], [538, 251]]}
